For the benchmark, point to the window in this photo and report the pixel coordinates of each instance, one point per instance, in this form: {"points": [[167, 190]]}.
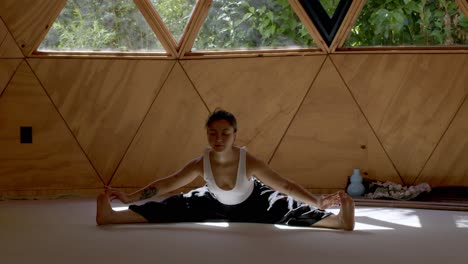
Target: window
{"points": [[175, 14], [409, 23], [104, 26], [250, 25]]}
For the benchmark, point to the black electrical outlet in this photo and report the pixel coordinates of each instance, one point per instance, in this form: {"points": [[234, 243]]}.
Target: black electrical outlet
{"points": [[26, 135]]}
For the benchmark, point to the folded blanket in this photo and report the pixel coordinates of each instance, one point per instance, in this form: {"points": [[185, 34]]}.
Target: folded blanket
{"points": [[395, 191]]}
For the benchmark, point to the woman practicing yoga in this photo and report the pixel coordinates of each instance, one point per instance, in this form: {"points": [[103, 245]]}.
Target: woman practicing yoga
{"points": [[239, 188]]}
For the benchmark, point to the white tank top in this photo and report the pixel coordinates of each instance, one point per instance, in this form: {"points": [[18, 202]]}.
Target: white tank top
{"points": [[242, 189]]}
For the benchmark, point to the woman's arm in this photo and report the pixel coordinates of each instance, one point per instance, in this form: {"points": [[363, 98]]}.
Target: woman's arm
{"points": [[271, 178], [165, 185]]}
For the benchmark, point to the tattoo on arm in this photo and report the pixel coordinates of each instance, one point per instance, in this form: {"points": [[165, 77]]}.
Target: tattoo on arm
{"points": [[149, 192]]}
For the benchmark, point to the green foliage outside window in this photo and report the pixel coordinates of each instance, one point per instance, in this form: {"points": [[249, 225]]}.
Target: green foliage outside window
{"points": [[101, 25], [409, 22], [175, 14], [117, 25], [330, 6], [251, 25]]}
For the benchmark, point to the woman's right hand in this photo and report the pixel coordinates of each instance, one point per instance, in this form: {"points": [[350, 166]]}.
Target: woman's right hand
{"points": [[330, 200], [119, 195]]}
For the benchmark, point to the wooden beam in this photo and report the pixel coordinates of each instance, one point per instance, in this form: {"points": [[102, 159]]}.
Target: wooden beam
{"points": [[157, 25], [404, 50], [348, 22], [55, 13], [253, 53], [100, 55], [193, 27], [309, 25], [463, 4], [29, 21]]}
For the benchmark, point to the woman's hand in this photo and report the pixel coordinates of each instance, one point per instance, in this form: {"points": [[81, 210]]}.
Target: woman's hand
{"points": [[119, 195], [331, 200]]}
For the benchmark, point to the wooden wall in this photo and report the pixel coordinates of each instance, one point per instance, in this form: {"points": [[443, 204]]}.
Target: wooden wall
{"points": [[125, 122]]}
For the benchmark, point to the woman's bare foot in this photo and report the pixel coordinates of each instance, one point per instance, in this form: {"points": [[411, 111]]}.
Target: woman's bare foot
{"points": [[346, 211], [104, 209], [345, 218]]}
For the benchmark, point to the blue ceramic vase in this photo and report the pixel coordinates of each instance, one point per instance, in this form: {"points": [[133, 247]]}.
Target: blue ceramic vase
{"points": [[356, 188]]}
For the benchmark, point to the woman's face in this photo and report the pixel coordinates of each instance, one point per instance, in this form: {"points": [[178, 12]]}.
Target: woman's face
{"points": [[221, 135]]}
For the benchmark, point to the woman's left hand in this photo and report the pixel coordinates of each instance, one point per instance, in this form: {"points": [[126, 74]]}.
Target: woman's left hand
{"points": [[119, 195], [331, 200]]}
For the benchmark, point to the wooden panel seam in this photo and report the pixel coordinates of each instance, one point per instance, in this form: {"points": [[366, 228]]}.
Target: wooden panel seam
{"points": [[297, 110], [11, 77], [463, 5], [440, 139], [8, 34], [64, 121], [367, 120], [141, 123], [194, 87]]}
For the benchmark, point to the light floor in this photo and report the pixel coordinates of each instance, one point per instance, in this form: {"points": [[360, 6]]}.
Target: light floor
{"points": [[64, 231]]}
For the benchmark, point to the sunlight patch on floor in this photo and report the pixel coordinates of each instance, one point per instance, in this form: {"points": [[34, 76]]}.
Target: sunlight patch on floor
{"points": [[396, 216], [220, 224], [393, 216], [362, 226], [120, 208], [358, 226], [461, 221], [291, 227]]}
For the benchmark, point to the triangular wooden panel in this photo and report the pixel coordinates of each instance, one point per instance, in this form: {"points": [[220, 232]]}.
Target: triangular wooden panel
{"points": [[54, 159], [409, 100], [448, 166], [29, 20], [8, 47], [172, 134], [103, 101], [329, 137], [263, 93], [7, 69]]}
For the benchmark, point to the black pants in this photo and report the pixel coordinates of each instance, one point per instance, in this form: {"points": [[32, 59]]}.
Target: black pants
{"points": [[264, 205]]}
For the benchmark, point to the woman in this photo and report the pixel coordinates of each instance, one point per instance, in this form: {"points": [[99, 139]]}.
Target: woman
{"points": [[240, 188]]}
